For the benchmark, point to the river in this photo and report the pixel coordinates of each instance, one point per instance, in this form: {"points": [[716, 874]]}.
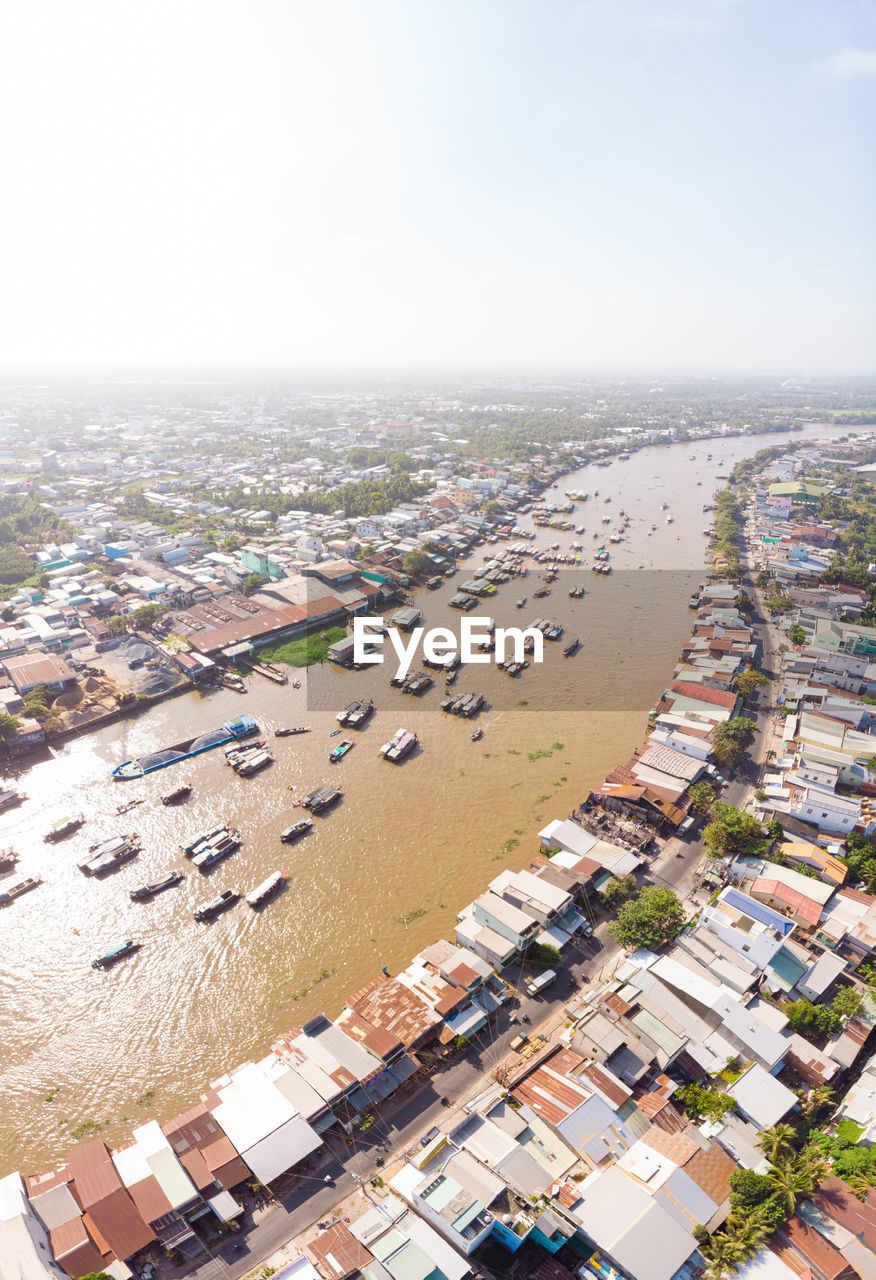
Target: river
{"points": [[381, 875]]}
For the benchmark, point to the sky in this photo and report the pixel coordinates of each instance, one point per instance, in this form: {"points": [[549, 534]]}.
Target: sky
{"points": [[679, 184]]}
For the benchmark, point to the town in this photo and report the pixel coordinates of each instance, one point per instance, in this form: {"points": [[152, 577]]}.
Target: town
{"points": [[645, 1053]]}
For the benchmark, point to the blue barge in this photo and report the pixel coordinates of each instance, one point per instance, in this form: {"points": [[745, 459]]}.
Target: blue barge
{"points": [[239, 727]]}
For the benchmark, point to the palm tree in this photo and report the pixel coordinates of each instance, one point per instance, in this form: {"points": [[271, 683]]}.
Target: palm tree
{"points": [[724, 1254], [796, 1177], [777, 1143], [816, 1101]]}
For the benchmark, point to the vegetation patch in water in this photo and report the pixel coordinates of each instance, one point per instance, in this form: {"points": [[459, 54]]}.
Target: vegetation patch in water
{"points": [[306, 650]]}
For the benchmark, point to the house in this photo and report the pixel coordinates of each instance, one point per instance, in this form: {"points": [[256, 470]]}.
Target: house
{"points": [[264, 1126], [25, 1252], [760, 1098], [406, 1245], [77, 1249], [103, 1197]]}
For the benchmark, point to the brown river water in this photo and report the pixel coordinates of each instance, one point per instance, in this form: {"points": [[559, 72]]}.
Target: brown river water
{"points": [[381, 875]]}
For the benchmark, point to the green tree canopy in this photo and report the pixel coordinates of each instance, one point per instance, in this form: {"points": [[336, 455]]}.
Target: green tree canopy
{"points": [[731, 739], [653, 917], [732, 833]]}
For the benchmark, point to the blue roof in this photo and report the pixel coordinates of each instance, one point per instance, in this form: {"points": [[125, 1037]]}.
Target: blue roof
{"points": [[757, 910]]}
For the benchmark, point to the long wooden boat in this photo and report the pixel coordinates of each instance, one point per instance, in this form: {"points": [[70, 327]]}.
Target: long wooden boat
{"points": [[147, 891]]}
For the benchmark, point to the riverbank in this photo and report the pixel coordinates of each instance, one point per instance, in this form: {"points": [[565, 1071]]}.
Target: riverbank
{"points": [[379, 878]]}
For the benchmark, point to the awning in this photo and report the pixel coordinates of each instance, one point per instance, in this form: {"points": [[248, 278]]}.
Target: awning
{"points": [[225, 1206]]}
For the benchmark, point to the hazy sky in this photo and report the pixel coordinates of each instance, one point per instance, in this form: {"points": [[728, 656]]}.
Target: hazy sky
{"points": [[385, 182]]}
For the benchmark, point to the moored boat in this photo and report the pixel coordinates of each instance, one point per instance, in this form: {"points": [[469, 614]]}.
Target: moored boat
{"points": [[109, 854], [239, 727], [226, 899], [289, 733], [213, 853], [321, 799], [266, 889], [199, 841], [571, 648], [115, 953], [400, 746], [146, 891]]}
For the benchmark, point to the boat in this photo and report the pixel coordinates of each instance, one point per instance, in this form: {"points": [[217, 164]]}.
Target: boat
{"points": [[297, 829], [521, 603], [694, 601], [669, 519], [109, 854], [146, 891], [115, 953], [347, 711], [226, 899], [541, 593], [130, 804], [571, 648], [289, 733], [252, 762], [174, 797], [235, 748], [8, 859], [62, 829], [356, 719], [16, 890], [321, 799], [477, 735], [239, 727], [9, 799], [189, 849], [213, 853], [399, 746], [337, 753], [266, 889]]}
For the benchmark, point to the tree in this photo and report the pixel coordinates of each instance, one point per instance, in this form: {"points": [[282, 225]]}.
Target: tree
{"points": [[811, 1020], [8, 724], [748, 682], [731, 738], [708, 1103], [8, 613], [701, 796], [816, 1101], [749, 1188], [796, 634], [732, 833], [846, 1003], [251, 583], [617, 891], [417, 563], [96, 1275], [794, 1178], [778, 1143], [652, 918]]}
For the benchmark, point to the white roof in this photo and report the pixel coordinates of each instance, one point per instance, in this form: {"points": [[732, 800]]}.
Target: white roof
{"points": [[262, 1124], [225, 1206], [624, 1221], [765, 1265], [25, 1253], [569, 836], [761, 1098], [163, 1164]]}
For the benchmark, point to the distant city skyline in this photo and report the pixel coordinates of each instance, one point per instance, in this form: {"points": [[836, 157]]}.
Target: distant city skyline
{"points": [[602, 184]]}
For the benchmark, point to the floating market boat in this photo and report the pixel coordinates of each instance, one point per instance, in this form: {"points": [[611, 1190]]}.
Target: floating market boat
{"points": [[9, 799], [477, 735], [16, 890], [289, 733], [571, 648], [337, 753], [109, 854], [321, 799], [239, 727]]}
